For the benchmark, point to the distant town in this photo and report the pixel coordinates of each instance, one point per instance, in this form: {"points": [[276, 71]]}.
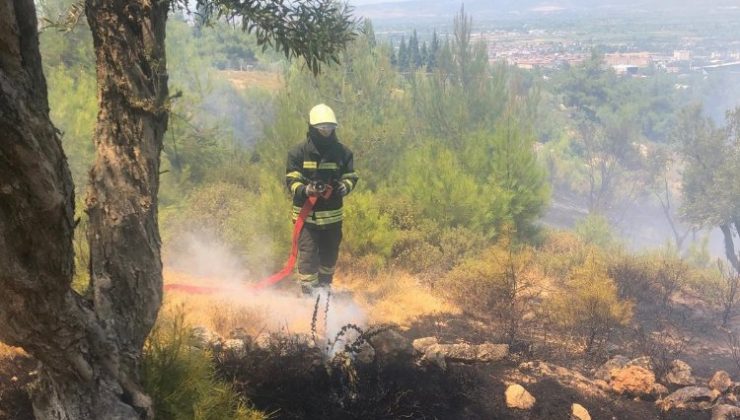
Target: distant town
{"points": [[538, 49]]}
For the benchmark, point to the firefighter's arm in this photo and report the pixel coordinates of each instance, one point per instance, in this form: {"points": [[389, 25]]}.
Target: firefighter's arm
{"points": [[349, 177], [294, 179]]}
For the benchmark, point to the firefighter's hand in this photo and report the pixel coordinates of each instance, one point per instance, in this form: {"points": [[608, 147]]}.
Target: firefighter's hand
{"points": [[342, 189], [311, 190]]}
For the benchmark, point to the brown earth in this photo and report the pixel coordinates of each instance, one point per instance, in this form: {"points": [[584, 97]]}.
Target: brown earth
{"points": [[391, 389], [249, 79], [16, 371]]}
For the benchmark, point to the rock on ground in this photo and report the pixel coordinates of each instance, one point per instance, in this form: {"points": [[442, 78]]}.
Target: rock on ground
{"points": [[579, 412], [391, 344], [518, 397], [643, 362], [488, 352], [440, 354], [421, 344], [725, 412], [566, 377], [721, 381], [633, 380], [659, 390], [679, 374], [604, 372], [690, 397]]}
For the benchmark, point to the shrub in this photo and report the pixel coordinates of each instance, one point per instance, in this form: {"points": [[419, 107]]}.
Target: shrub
{"points": [[595, 230], [368, 230], [498, 284], [255, 226], [181, 378], [560, 252], [434, 252], [590, 304], [632, 276]]}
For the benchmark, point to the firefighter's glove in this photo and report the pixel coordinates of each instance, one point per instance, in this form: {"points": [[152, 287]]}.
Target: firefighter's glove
{"points": [[311, 190], [342, 189]]}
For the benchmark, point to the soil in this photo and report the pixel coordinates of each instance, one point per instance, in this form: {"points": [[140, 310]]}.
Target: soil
{"points": [[554, 401], [16, 372], [402, 388]]}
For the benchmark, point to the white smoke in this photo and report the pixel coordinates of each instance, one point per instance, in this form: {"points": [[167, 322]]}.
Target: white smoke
{"points": [[204, 261]]}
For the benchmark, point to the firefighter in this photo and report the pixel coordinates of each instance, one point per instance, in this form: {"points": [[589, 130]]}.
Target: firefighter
{"points": [[317, 165]]}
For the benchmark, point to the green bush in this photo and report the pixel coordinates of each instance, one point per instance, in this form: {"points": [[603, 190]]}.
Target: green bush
{"points": [[595, 230], [254, 225], [560, 252], [497, 283], [367, 230], [181, 378], [590, 304]]}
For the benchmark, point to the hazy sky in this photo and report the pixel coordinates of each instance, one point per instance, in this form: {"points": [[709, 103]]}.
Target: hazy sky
{"points": [[361, 2]]}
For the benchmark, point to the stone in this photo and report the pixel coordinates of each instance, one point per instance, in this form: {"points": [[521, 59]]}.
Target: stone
{"points": [[421, 344], [602, 385], [435, 356], [365, 354], [690, 397], [263, 341], [488, 352], [235, 345], [679, 374], [391, 344], [720, 381], [466, 353], [579, 412], [566, 377], [644, 362], [463, 352], [203, 338], [659, 390], [635, 381], [604, 372], [239, 333], [518, 397], [725, 412]]}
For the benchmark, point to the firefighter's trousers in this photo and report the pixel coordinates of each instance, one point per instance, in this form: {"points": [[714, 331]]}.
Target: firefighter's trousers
{"points": [[318, 250]]}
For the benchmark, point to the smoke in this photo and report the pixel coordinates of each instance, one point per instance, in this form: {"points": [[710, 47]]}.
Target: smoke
{"points": [[204, 261]]}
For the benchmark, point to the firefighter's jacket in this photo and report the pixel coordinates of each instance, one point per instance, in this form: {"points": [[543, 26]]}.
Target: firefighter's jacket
{"points": [[331, 163]]}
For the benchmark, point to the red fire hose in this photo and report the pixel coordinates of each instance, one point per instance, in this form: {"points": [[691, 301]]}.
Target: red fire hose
{"points": [[268, 281]]}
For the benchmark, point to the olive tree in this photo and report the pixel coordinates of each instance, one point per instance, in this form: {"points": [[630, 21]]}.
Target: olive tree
{"points": [[89, 346]]}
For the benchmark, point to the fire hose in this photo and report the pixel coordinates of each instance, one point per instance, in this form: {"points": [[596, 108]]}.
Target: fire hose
{"points": [[324, 191]]}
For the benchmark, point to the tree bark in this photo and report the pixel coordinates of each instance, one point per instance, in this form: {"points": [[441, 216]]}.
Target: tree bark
{"points": [[730, 252], [88, 349], [126, 269]]}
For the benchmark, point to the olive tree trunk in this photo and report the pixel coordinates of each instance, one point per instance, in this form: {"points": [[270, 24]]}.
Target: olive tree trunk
{"points": [[88, 349]]}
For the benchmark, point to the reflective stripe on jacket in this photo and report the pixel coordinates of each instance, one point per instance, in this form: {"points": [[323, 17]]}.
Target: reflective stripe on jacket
{"points": [[333, 164]]}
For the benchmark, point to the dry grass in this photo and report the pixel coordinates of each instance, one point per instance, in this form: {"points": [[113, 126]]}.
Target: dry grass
{"points": [[221, 313], [8, 352], [394, 298], [389, 298], [242, 80]]}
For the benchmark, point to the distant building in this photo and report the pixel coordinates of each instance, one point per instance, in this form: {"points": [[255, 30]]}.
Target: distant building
{"points": [[626, 69], [640, 59], [682, 55]]}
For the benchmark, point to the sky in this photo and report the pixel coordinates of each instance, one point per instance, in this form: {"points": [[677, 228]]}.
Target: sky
{"points": [[363, 2]]}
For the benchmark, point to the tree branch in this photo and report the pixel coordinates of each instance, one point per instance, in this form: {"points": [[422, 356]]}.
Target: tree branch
{"points": [[316, 30]]}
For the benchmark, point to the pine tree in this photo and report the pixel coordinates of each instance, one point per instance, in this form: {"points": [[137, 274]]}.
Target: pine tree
{"points": [[393, 57], [424, 55], [414, 53], [403, 55], [433, 57]]}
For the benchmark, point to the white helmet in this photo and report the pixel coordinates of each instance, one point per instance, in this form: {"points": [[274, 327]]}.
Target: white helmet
{"points": [[322, 114]]}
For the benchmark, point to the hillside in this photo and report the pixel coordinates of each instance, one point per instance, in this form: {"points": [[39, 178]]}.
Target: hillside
{"points": [[482, 10]]}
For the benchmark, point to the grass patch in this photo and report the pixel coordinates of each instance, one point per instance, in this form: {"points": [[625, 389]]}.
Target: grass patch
{"points": [[181, 377]]}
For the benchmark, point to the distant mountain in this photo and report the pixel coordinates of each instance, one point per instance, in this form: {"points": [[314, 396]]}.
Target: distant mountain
{"points": [[492, 9]]}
